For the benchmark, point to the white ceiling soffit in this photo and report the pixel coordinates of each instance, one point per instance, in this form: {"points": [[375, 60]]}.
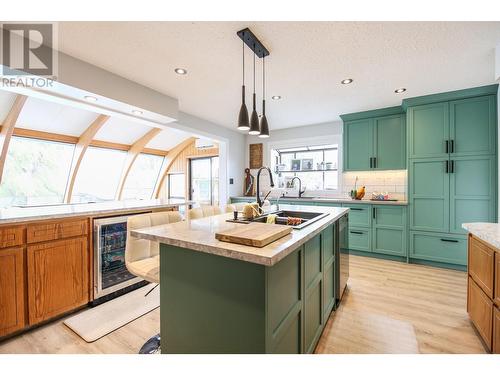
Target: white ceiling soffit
{"points": [[168, 139], [52, 117], [119, 130], [6, 101], [307, 62]]}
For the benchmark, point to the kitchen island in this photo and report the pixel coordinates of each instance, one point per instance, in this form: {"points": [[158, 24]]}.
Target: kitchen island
{"points": [[220, 297]]}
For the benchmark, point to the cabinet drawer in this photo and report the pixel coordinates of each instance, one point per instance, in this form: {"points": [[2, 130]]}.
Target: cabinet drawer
{"points": [[497, 278], [438, 247], [11, 236], [481, 262], [496, 331], [389, 241], [360, 215], [56, 230], [480, 310], [394, 217], [359, 239], [12, 289]]}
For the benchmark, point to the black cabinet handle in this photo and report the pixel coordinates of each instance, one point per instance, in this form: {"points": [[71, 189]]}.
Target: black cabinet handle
{"points": [[446, 143], [452, 169], [448, 240], [452, 146], [373, 213], [374, 162], [356, 209], [354, 232], [447, 166], [371, 163]]}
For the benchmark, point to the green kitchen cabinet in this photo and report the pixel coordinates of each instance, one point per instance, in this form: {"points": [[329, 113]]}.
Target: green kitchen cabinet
{"points": [[472, 191], [328, 259], [389, 142], [389, 230], [429, 194], [360, 239], [428, 130], [473, 126], [438, 247], [374, 140], [358, 145], [359, 214]]}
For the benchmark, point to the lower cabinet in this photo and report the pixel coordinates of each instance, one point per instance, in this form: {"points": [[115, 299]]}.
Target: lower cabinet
{"points": [[438, 247], [480, 309], [313, 285], [389, 230], [360, 239], [58, 273], [496, 331], [12, 307]]}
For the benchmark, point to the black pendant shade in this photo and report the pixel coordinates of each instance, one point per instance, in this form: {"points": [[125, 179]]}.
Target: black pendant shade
{"points": [[243, 123], [253, 126], [264, 127], [254, 121]]}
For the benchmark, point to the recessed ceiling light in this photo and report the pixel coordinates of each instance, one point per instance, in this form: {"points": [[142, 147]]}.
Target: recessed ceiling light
{"points": [[90, 98], [180, 71], [346, 81], [136, 112], [276, 97], [399, 91]]}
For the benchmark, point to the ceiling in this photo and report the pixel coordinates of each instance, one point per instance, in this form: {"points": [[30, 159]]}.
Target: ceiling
{"points": [[46, 116], [307, 62]]}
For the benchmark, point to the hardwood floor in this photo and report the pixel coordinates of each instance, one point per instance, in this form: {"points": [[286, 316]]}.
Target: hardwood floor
{"points": [[389, 307]]}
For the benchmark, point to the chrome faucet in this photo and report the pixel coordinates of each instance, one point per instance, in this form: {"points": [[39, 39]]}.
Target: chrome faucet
{"points": [[259, 201], [300, 186]]}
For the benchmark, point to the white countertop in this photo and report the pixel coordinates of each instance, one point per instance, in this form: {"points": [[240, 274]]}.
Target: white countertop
{"points": [[335, 200], [22, 214], [199, 235], [488, 232]]}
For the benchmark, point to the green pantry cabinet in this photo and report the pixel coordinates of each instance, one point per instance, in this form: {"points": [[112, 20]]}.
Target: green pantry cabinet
{"points": [[374, 140], [284, 307], [452, 171]]}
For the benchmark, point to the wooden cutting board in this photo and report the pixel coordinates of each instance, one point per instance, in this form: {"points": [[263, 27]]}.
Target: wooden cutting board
{"points": [[254, 234]]}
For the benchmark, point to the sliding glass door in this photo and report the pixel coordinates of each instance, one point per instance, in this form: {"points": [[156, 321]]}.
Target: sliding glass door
{"points": [[204, 180]]}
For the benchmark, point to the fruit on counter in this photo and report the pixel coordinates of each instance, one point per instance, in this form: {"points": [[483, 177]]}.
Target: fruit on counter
{"points": [[361, 193]]}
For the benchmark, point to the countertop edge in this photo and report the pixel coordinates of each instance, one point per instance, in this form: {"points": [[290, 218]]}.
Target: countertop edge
{"points": [[488, 232], [55, 216], [335, 200]]}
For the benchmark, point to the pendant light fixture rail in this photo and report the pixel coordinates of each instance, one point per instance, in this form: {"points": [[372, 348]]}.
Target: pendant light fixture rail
{"points": [[253, 42]]}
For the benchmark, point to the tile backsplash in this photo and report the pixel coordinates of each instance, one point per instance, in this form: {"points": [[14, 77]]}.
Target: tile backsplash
{"points": [[393, 182]]}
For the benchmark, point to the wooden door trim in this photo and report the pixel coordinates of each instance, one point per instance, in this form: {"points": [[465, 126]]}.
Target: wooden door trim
{"points": [[8, 129], [132, 155], [81, 147]]}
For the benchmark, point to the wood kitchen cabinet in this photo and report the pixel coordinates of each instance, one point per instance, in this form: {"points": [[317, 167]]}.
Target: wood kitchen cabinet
{"points": [[496, 331], [497, 279], [481, 264], [58, 277], [12, 290], [480, 309]]}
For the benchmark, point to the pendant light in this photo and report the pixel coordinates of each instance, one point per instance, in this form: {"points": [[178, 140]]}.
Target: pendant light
{"points": [[254, 118], [243, 123], [264, 127]]}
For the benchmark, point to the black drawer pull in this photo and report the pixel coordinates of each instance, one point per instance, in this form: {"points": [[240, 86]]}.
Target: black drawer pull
{"points": [[447, 166], [447, 146], [448, 240], [371, 163], [452, 146], [354, 232], [374, 213], [357, 209], [452, 169]]}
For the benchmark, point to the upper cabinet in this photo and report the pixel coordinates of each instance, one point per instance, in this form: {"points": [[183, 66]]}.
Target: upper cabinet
{"points": [[374, 140]]}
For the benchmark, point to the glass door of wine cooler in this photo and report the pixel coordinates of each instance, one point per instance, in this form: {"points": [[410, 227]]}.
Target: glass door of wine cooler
{"points": [[111, 274]]}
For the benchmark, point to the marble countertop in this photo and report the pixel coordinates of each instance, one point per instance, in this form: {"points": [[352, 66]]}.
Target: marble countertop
{"points": [[337, 200], [488, 232], [13, 215], [199, 235]]}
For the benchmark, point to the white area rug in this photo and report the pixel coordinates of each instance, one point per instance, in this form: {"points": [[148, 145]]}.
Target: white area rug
{"points": [[96, 322]]}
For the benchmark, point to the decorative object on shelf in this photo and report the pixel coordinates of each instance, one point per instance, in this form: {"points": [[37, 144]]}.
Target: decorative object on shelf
{"points": [[329, 165], [256, 155], [295, 164], [320, 166], [380, 196], [255, 128], [243, 123], [249, 183], [358, 194], [307, 164]]}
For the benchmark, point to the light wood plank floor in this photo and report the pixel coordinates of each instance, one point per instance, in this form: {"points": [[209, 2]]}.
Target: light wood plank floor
{"points": [[390, 307]]}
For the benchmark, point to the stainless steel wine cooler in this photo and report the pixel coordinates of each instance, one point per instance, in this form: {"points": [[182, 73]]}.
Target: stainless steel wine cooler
{"points": [[110, 273]]}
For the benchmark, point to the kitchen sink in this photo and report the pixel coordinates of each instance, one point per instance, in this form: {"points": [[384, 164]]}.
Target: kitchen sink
{"points": [[282, 215]]}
